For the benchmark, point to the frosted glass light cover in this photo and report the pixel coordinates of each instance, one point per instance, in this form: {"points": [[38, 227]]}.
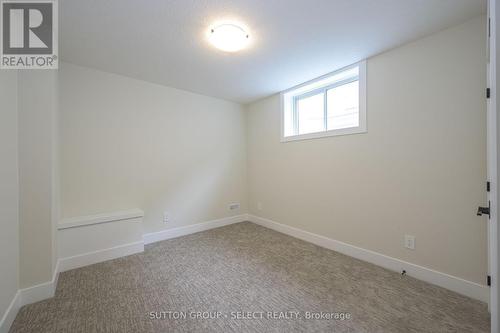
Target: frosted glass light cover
{"points": [[228, 37]]}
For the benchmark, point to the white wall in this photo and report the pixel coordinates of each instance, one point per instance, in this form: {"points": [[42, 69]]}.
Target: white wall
{"points": [[420, 169], [37, 118], [9, 190], [128, 144]]}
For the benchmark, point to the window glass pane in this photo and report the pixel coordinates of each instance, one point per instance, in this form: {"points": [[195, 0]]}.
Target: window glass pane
{"points": [[329, 80], [311, 114], [343, 106]]}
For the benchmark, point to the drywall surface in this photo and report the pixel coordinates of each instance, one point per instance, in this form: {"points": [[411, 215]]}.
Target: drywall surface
{"points": [[419, 170], [129, 144], [37, 151]]}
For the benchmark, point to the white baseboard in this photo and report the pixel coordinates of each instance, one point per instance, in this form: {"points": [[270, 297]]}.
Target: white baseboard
{"points": [[66, 264], [37, 293], [191, 229], [87, 235], [47, 290], [41, 291], [27, 296], [453, 283], [11, 313], [94, 257]]}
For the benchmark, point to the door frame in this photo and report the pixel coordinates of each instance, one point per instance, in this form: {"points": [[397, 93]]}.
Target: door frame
{"points": [[493, 142]]}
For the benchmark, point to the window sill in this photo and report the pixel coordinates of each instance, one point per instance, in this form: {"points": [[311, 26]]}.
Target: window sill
{"points": [[319, 135]]}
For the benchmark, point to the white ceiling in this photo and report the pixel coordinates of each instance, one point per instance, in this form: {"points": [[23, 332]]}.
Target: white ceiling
{"points": [[163, 41]]}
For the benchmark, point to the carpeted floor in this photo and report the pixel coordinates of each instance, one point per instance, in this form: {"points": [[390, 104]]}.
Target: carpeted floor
{"points": [[254, 280]]}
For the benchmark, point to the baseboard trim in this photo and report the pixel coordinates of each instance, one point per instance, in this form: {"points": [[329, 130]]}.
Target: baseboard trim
{"points": [[453, 283], [11, 313], [41, 291], [81, 260], [37, 293], [191, 229], [27, 296]]}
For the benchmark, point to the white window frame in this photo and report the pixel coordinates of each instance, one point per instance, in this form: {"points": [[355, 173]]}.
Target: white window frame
{"points": [[362, 128]]}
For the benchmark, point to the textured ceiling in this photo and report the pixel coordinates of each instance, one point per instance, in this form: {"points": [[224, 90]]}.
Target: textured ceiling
{"points": [[163, 41]]}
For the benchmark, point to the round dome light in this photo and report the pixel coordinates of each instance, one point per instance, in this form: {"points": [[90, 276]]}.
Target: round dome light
{"points": [[228, 37]]}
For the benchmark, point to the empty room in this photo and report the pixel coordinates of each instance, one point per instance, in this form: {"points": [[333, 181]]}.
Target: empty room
{"points": [[249, 166]]}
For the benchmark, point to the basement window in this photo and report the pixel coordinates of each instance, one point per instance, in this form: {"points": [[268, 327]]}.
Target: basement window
{"points": [[334, 104]]}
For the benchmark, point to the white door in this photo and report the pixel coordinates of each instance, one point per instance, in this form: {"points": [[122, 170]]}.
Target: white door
{"points": [[493, 140]]}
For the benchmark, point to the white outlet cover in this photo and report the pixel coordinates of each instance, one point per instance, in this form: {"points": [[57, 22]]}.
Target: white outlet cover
{"points": [[410, 242], [259, 205], [234, 206], [166, 217]]}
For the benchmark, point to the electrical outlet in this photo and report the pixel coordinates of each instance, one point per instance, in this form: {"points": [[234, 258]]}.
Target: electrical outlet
{"points": [[410, 242], [234, 206], [166, 217], [259, 205]]}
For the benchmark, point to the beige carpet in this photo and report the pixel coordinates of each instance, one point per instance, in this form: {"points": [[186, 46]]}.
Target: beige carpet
{"points": [[242, 268]]}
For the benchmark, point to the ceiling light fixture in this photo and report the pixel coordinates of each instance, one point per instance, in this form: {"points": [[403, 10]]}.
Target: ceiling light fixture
{"points": [[228, 37]]}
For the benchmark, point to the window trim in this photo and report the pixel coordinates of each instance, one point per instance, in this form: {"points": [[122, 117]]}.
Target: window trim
{"points": [[295, 110], [362, 128]]}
